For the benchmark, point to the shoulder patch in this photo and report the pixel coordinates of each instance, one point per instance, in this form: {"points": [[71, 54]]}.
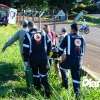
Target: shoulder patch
{"points": [[77, 42], [37, 37]]}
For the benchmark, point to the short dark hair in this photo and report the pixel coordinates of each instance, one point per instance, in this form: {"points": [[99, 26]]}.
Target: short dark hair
{"points": [[24, 23], [30, 24], [74, 26], [63, 30], [46, 25]]}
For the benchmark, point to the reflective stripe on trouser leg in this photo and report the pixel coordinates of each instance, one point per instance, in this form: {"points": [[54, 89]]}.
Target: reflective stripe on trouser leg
{"points": [[43, 75], [37, 76], [76, 85], [26, 46]]}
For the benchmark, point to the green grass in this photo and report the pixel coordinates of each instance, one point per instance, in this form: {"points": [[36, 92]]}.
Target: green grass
{"points": [[12, 77]]}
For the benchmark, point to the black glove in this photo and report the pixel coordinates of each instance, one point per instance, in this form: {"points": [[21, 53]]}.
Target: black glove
{"points": [[55, 52]]}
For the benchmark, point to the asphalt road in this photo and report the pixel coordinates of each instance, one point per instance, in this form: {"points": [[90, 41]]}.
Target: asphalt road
{"points": [[92, 56]]}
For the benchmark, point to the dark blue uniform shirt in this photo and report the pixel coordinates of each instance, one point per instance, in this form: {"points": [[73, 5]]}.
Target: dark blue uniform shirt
{"points": [[36, 47], [74, 45]]}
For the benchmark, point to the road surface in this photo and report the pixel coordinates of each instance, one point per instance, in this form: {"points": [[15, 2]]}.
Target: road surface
{"points": [[92, 58]]}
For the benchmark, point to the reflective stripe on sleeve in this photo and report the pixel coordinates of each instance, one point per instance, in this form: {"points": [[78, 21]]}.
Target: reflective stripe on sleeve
{"points": [[29, 41], [60, 49], [63, 69], [69, 45]]}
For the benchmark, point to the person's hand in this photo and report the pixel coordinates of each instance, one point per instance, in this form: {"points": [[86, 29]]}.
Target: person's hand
{"points": [[55, 49], [26, 63], [26, 66], [62, 58]]}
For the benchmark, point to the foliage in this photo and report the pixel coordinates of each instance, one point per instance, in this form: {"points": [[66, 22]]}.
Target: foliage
{"points": [[6, 2], [91, 9], [61, 4], [79, 8], [38, 4], [66, 5], [87, 2]]}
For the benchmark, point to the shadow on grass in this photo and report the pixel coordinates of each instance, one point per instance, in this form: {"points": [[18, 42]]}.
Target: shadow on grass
{"points": [[22, 91], [7, 72], [7, 91]]}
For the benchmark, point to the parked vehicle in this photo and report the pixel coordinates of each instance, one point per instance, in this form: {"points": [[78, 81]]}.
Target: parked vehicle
{"points": [[4, 14]]}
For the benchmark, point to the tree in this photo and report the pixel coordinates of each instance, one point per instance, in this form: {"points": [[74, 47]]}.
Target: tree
{"points": [[87, 2], [38, 4], [66, 5], [6, 2]]}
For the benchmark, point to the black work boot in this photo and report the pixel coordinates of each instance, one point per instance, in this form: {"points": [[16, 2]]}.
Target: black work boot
{"points": [[37, 83], [47, 93], [65, 84], [46, 85], [77, 96]]}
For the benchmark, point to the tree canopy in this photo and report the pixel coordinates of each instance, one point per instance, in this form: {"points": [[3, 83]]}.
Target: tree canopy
{"points": [[66, 5]]}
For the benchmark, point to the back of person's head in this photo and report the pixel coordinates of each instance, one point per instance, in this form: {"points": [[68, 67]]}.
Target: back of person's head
{"points": [[46, 28], [30, 24], [64, 30], [74, 27], [24, 23]]}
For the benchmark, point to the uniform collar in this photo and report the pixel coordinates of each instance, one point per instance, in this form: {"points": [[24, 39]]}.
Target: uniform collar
{"points": [[25, 29], [74, 34], [33, 30]]}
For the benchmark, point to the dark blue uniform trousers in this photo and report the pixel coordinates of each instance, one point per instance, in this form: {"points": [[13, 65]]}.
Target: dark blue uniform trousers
{"points": [[40, 77], [74, 66]]}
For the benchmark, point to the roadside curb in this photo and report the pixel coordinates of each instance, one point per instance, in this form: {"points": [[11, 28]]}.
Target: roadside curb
{"points": [[92, 74]]}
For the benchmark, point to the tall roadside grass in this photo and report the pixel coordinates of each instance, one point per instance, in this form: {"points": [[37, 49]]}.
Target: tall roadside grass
{"points": [[12, 77]]}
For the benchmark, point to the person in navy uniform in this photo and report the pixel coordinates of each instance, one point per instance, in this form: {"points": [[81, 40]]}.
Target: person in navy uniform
{"points": [[36, 48], [74, 45]]}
